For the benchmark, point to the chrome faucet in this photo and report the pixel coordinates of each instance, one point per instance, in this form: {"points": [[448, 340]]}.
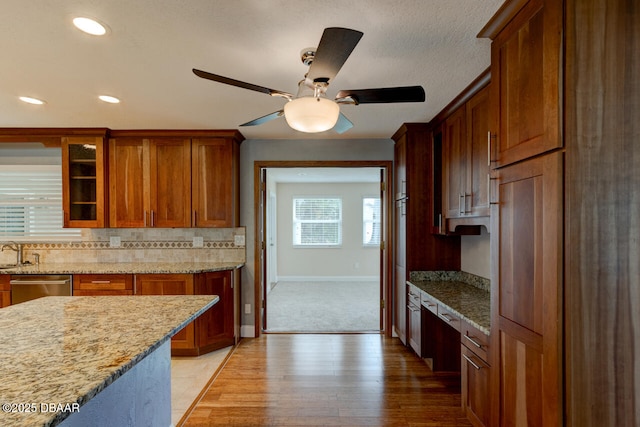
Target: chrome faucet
{"points": [[14, 247]]}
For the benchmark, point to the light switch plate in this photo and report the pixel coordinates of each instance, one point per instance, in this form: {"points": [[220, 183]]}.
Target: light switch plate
{"points": [[114, 241], [198, 242], [238, 239]]}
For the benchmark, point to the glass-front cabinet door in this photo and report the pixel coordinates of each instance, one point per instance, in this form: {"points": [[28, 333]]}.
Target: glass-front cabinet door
{"points": [[83, 183]]}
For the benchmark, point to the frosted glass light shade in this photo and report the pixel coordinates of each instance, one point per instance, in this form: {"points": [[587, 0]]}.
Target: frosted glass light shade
{"points": [[309, 114]]}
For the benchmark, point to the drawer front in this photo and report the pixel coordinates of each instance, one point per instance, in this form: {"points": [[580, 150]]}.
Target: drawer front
{"points": [[449, 317], [101, 282], [475, 340], [429, 303], [414, 296]]}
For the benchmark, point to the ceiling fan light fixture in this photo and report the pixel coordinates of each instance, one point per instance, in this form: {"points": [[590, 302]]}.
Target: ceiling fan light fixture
{"points": [[311, 114], [90, 26]]}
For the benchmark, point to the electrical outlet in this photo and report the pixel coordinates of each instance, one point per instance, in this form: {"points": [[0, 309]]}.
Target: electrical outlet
{"points": [[238, 239], [198, 242], [114, 241], [247, 309]]}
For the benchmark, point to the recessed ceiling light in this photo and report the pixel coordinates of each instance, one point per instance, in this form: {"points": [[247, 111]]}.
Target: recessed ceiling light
{"points": [[109, 99], [30, 100], [90, 26]]}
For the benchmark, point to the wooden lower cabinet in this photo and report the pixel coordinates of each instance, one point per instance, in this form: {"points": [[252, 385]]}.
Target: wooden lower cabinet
{"points": [[475, 387], [170, 284], [215, 328], [5, 290], [102, 284], [414, 318], [526, 293], [475, 373]]}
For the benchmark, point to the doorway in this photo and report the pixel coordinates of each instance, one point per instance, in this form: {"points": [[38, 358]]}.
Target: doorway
{"points": [[337, 282]]}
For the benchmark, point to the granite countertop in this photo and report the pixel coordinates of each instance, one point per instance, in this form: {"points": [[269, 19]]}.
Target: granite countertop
{"points": [[122, 268], [65, 350], [469, 302]]}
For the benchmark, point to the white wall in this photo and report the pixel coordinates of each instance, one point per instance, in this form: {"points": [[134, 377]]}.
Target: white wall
{"points": [[475, 253], [351, 260], [284, 149]]}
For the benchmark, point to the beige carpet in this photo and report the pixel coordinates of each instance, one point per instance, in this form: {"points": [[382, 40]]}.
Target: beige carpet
{"points": [[324, 307]]}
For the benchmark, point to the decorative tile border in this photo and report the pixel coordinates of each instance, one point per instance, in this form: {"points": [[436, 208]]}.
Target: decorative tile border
{"points": [[132, 245]]}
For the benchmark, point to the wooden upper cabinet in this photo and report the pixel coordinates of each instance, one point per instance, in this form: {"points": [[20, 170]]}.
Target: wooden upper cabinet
{"points": [[478, 162], [173, 179], [465, 159], [149, 182], [127, 182], [526, 75], [83, 182], [215, 178], [454, 159], [169, 182]]}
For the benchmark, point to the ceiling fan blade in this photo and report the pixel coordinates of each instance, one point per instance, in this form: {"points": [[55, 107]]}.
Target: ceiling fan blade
{"points": [[384, 95], [335, 47], [343, 124], [238, 83], [264, 119]]}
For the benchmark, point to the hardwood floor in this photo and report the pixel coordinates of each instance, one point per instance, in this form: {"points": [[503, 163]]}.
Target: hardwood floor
{"points": [[328, 380]]}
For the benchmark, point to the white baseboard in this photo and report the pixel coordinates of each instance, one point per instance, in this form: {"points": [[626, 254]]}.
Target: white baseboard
{"points": [[247, 331], [328, 278]]}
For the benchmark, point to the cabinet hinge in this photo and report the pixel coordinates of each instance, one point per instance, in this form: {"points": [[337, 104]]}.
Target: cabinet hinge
{"points": [[262, 304], [382, 245], [262, 245], [383, 186], [381, 303]]}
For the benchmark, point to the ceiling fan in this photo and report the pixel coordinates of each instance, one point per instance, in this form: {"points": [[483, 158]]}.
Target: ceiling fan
{"points": [[310, 110]]}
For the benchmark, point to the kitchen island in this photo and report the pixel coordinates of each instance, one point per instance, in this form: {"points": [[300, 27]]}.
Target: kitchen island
{"points": [[77, 361]]}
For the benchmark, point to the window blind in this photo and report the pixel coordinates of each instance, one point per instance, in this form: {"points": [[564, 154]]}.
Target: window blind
{"points": [[31, 204], [317, 221]]}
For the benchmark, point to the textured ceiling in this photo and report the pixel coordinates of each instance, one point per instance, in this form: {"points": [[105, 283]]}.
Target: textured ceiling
{"points": [[147, 57]]}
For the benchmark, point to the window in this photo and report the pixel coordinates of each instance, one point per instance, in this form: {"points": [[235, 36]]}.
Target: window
{"points": [[317, 221], [31, 204], [371, 221]]}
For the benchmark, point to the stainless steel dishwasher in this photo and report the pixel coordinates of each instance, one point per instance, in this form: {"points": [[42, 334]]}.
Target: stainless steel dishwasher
{"points": [[29, 286]]}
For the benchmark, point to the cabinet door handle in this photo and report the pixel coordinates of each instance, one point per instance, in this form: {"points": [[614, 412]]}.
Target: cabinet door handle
{"points": [[468, 359], [153, 218], [460, 199], [193, 221], [101, 282], [474, 342], [144, 219], [489, 148], [447, 317]]}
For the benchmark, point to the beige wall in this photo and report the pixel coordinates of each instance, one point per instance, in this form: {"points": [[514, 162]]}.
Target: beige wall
{"points": [[474, 255], [350, 261]]}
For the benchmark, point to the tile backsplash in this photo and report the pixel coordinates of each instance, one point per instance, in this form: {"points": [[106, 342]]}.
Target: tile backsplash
{"points": [[141, 245]]}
